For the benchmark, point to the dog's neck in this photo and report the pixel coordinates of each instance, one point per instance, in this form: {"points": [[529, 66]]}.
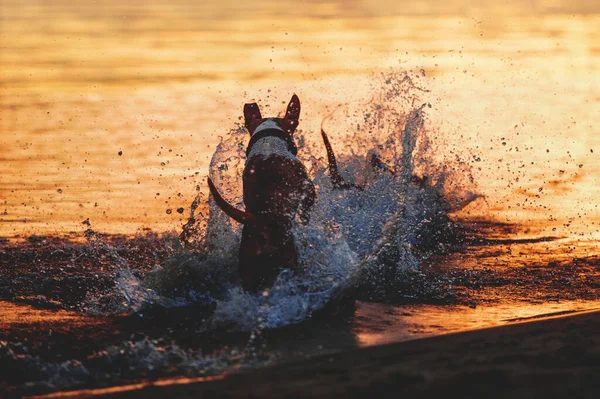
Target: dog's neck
{"points": [[270, 139], [266, 125]]}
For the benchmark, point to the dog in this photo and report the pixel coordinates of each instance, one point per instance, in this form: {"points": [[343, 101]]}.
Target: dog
{"points": [[276, 190]]}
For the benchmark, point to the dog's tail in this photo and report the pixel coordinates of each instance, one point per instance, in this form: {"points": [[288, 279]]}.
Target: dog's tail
{"points": [[336, 178], [239, 216]]}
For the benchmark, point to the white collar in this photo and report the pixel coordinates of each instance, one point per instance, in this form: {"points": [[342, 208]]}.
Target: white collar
{"points": [[268, 124], [268, 146]]}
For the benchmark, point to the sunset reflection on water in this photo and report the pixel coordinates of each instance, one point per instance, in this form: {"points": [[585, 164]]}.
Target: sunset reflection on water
{"points": [[412, 322], [515, 85]]}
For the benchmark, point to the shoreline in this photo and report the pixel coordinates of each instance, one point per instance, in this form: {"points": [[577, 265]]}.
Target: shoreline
{"points": [[557, 356]]}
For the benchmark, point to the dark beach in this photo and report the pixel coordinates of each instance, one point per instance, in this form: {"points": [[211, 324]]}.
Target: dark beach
{"points": [[558, 357], [53, 342]]}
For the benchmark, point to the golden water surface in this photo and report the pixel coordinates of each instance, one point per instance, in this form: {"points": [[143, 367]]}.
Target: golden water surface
{"points": [[110, 110]]}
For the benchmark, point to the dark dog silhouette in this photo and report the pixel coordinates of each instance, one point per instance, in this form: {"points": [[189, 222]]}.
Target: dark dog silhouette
{"points": [[276, 189]]}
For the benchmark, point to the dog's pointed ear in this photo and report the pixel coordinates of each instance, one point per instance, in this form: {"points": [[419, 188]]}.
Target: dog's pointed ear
{"points": [[293, 109], [251, 113]]}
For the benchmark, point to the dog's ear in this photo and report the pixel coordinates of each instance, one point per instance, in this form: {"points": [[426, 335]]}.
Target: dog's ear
{"points": [[251, 113], [293, 110]]}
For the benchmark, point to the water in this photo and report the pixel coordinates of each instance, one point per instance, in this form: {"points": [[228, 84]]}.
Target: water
{"points": [[113, 114], [161, 83]]}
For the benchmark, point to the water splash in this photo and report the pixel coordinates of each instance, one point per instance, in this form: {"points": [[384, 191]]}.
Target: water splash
{"points": [[136, 295], [328, 264], [382, 231], [377, 233]]}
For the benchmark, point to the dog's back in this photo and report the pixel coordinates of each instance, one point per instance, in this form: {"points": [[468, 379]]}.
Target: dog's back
{"points": [[275, 187]]}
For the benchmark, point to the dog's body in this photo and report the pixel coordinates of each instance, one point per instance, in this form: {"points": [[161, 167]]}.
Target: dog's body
{"points": [[276, 189]]}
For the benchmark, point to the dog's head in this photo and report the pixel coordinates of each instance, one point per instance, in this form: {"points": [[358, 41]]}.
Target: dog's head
{"points": [[253, 119]]}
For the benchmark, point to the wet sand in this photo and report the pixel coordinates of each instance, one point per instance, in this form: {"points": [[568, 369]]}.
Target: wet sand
{"points": [[556, 357], [51, 288]]}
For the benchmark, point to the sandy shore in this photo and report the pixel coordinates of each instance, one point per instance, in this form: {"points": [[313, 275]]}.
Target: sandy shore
{"points": [[557, 357]]}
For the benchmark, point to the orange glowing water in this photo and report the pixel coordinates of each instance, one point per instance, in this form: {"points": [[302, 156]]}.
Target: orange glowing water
{"points": [[111, 110], [411, 322]]}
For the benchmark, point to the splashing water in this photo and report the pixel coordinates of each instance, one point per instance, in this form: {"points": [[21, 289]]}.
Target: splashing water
{"points": [[377, 233], [129, 286]]}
